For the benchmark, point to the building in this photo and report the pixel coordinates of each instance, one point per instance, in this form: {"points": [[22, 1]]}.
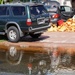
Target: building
{"points": [[70, 3]]}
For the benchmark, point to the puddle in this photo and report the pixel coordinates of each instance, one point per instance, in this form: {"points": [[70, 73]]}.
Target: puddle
{"points": [[45, 60]]}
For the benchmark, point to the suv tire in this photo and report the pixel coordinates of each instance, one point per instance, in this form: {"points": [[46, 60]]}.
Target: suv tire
{"points": [[35, 35], [13, 34]]}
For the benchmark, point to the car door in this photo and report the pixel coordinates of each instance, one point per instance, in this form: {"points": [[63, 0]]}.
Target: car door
{"points": [[3, 17], [66, 12]]}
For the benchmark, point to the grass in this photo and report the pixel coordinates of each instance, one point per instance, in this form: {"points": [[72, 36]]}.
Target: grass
{"points": [[2, 40]]}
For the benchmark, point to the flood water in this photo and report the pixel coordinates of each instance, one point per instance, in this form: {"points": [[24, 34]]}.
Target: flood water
{"points": [[17, 62]]}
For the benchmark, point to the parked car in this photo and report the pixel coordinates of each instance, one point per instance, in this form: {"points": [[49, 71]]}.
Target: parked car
{"points": [[53, 9], [58, 12], [66, 12], [19, 19]]}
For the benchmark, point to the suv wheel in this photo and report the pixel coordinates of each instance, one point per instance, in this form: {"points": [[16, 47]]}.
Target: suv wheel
{"points": [[35, 35], [13, 34]]}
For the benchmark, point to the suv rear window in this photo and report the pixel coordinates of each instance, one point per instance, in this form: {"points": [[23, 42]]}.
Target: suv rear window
{"points": [[37, 10], [18, 10]]}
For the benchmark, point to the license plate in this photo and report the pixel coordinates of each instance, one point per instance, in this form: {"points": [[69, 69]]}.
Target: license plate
{"points": [[41, 20]]}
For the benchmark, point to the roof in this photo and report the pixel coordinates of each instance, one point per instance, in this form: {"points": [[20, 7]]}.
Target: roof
{"points": [[21, 4]]}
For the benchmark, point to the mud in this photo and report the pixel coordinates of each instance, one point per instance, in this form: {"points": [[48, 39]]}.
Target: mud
{"points": [[39, 47]]}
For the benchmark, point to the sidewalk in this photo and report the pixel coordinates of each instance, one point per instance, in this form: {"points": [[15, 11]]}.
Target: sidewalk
{"points": [[60, 37]]}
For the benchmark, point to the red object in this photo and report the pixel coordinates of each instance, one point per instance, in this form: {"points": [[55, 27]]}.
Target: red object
{"points": [[55, 16], [60, 22], [55, 53], [29, 22], [30, 65]]}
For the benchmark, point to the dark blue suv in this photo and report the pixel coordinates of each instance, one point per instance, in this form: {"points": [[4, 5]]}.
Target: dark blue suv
{"points": [[19, 19]]}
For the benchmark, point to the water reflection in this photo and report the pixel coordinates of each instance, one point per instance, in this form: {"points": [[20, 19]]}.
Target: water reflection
{"points": [[20, 62], [13, 56]]}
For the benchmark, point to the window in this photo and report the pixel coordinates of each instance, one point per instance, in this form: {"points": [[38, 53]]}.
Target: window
{"points": [[36, 10], [4, 11], [18, 10], [65, 8], [51, 6]]}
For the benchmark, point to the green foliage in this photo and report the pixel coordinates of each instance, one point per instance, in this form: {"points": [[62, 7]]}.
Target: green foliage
{"points": [[1, 1], [2, 40], [27, 0]]}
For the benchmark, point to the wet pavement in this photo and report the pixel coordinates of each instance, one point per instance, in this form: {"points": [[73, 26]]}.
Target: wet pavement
{"points": [[51, 54], [37, 64]]}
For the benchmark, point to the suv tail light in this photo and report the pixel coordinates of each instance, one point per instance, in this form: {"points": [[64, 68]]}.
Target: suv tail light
{"points": [[29, 22], [55, 16]]}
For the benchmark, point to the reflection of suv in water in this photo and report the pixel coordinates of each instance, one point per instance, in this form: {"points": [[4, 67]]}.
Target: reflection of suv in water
{"points": [[19, 19]]}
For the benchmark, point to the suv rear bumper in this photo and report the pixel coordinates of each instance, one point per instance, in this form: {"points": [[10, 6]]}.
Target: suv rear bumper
{"points": [[39, 29]]}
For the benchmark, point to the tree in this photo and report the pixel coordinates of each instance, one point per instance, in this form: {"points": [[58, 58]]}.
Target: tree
{"points": [[1, 1]]}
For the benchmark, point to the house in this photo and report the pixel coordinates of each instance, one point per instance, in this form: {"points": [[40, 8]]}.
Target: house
{"points": [[70, 3], [65, 2]]}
